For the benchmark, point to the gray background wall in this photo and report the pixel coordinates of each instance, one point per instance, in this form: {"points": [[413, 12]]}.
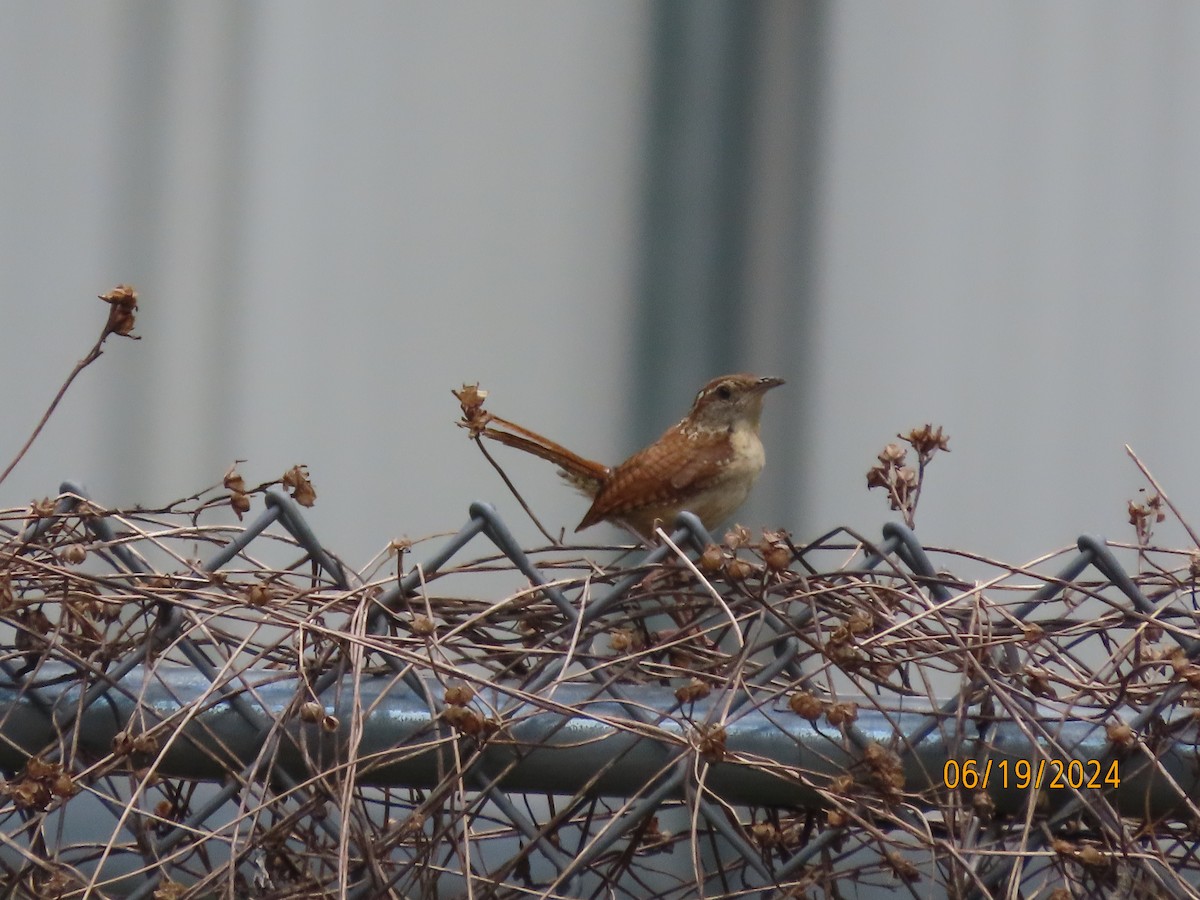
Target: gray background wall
{"points": [[982, 215]]}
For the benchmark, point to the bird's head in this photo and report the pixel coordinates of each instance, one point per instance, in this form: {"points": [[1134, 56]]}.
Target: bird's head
{"points": [[730, 402]]}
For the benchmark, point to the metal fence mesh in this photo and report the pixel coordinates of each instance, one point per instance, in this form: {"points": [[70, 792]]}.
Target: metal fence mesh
{"points": [[198, 707]]}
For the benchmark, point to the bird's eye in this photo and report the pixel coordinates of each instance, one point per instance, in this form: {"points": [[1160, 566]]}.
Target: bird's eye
{"points": [[724, 392]]}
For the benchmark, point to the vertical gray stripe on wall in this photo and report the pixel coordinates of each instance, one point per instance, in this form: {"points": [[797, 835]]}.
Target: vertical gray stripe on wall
{"points": [[136, 247], [728, 229], [694, 227]]}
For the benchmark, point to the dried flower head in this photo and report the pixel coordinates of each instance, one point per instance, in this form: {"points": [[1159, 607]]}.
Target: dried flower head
{"points": [[297, 481], [122, 306], [902, 481], [474, 417]]}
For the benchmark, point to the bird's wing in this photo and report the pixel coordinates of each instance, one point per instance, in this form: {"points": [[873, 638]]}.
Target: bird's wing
{"points": [[650, 479]]}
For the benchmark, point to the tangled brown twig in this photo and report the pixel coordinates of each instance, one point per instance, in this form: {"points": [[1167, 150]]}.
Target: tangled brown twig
{"points": [[866, 645]]}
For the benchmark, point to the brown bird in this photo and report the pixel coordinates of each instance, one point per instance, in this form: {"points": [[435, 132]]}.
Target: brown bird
{"points": [[706, 463]]}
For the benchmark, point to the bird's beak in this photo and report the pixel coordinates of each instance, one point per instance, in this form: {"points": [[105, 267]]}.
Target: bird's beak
{"points": [[765, 384]]}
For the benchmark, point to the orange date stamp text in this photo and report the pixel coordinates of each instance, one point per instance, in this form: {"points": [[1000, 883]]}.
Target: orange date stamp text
{"points": [[1036, 774]]}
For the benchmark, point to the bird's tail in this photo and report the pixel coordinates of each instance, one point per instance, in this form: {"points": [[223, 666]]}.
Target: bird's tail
{"points": [[585, 475]]}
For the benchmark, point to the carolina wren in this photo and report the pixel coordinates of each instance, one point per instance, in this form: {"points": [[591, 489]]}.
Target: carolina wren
{"points": [[706, 463]]}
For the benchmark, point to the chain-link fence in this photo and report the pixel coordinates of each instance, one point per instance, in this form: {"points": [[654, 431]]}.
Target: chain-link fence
{"points": [[193, 706]]}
